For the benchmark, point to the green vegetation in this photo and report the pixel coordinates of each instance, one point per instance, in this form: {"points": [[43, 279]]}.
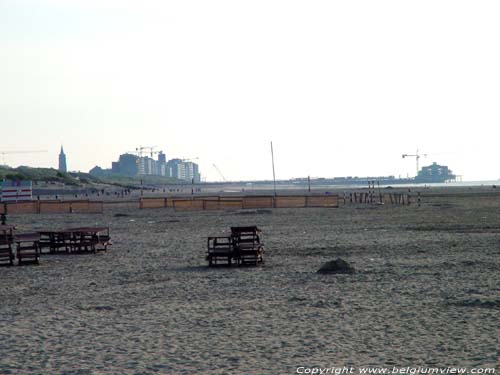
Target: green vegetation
{"points": [[76, 179], [36, 174]]}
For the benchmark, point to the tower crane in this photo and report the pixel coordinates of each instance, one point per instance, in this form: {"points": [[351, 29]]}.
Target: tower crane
{"points": [[223, 178], [3, 153], [140, 150], [417, 157]]}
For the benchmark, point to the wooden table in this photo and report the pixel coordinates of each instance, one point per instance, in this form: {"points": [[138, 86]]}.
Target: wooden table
{"points": [[80, 239]]}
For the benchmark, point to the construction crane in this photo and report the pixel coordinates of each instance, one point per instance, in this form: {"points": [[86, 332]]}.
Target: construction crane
{"points": [[3, 153], [140, 150], [189, 159], [417, 157], [223, 178]]}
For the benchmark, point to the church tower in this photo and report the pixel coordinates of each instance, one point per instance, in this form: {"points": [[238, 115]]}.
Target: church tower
{"points": [[62, 161]]}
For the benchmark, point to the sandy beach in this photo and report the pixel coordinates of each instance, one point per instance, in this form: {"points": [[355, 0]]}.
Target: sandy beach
{"points": [[426, 292]]}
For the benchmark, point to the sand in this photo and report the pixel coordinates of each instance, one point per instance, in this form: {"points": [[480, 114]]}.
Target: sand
{"points": [[426, 292]]}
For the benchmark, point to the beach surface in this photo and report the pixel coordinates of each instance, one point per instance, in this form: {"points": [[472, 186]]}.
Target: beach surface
{"points": [[426, 292]]}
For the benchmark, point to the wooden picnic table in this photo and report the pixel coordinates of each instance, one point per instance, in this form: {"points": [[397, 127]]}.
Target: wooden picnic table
{"points": [[54, 240], [76, 239], [247, 246], [243, 246]]}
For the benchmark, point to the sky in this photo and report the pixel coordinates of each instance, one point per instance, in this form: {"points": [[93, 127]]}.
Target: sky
{"points": [[341, 88]]}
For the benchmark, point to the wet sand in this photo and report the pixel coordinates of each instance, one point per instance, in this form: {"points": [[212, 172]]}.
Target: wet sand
{"points": [[426, 292]]}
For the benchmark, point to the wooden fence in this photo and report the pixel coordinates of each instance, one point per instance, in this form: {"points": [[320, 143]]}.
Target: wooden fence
{"points": [[238, 203], [52, 207], [385, 198]]}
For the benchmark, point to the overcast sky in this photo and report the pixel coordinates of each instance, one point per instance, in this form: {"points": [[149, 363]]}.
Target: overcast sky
{"points": [[342, 88]]}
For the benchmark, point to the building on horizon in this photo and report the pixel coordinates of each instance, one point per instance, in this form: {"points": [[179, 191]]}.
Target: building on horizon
{"points": [[435, 173], [133, 165], [127, 164], [62, 161], [183, 170]]}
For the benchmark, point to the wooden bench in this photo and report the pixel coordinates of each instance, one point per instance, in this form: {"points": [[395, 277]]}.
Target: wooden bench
{"points": [[247, 247], [219, 249], [243, 247], [55, 241], [27, 248], [89, 238]]}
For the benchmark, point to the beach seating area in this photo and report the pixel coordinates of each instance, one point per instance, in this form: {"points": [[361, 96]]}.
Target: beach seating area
{"points": [[28, 247], [75, 240], [242, 247]]}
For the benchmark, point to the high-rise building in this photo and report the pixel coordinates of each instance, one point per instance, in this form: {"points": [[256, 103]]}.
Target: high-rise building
{"points": [[127, 164], [133, 165], [162, 158], [62, 161], [187, 171]]}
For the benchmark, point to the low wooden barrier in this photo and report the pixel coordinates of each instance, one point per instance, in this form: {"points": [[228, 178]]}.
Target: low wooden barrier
{"points": [[258, 202], [93, 207], [238, 203], [153, 202], [290, 201], [52, 207], [21, 208], [225, 204], [187, 205], [322, 201]]}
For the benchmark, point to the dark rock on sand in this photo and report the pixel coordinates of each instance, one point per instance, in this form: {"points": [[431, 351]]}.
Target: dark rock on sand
{"points": [[336, 266]]}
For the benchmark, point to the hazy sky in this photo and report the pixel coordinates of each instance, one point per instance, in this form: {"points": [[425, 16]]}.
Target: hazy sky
{"points": [[340, 87]]}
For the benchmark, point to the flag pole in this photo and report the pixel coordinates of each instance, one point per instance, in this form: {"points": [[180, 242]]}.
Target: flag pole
{"points": [[274, 174]]}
